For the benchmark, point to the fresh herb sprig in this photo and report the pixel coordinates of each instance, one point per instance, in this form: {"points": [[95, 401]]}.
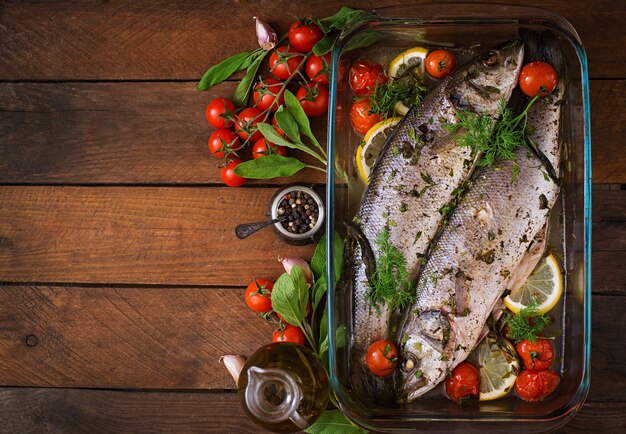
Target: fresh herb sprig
{"points": [[527, 324], [390, 282], [385, 96], [495, 140]]}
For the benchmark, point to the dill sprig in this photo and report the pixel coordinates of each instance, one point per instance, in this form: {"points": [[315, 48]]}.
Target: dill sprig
{"points": [[527, 324], [495, 140], [390, 283], [387, 95]]}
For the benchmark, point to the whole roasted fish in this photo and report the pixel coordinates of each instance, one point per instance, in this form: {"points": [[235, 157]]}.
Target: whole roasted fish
{"points": [[478, 256], [415, 175]]}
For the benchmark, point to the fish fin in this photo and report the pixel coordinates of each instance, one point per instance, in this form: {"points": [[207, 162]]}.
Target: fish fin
{"points": [[367, 253], [531, 258]]}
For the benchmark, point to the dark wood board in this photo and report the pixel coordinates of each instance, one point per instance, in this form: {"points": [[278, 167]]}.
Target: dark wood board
{"points": [[149, 133], [137, 235], [43, 411], [177, 39]]}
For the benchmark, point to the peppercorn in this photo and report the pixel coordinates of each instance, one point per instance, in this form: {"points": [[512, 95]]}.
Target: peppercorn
{"points": [[301, 210]]}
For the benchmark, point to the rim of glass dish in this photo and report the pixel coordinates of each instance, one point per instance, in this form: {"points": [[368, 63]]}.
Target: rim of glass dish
{"points": [[536, 16]]}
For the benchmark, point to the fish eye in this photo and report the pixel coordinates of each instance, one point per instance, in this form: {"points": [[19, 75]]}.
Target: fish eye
{"points": [[491, 59], [408, 363]]}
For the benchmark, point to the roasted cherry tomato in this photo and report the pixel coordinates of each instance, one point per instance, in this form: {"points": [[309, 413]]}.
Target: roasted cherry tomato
{"points": [[364, 76], [224, 143], [463, 384], [362, 119], [382, 358], [265, 93], [537, 76], [440, 63], [245, 123], [536, 356], [261, 149], [228, 174], [258, 295], [289, 334], [220, 113], [304, 34], [534, 386], [284, 62], [317, 68], [313, 98]]}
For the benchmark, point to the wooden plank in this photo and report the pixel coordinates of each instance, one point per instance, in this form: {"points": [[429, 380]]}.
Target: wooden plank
{"points": [[608, 272], [158, 338], [609, 202], [77, 133], [148, 338], [97, 133], [173, 39], [39, 411], [134, 235]]}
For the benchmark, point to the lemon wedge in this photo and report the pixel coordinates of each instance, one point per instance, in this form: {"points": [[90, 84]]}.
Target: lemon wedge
{"points": [[498, 369], [369, 149], [544, 286], [407, 63]]}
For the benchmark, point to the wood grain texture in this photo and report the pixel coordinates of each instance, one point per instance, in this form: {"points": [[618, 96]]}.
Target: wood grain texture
{"points": [[77, 133], [42, 411], [147, 338], [174, 39], [172, 338], [144, 235]]}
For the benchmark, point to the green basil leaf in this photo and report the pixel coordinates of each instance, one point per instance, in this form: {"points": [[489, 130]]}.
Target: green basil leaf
{"points": [[294, 107], [324, 45], [288, 124], [319, 289], [341, 336], [240, 98], [340, 20], [272, 136], [333, 422], [289, 300], [227, 67], [299, 281], [269, 166], [318, 261], [337, 256], [363, 40], [324, 330]]}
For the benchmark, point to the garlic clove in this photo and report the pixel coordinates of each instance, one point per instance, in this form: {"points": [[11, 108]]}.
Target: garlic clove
{"points": [[234, 364], [265, 34], [289, 263]]}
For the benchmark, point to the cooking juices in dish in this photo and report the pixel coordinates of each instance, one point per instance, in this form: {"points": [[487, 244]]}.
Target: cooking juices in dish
{"points": [[451, 227]]}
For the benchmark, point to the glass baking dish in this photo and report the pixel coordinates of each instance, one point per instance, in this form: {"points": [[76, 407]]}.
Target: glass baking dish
{"points": [[379, 37]]}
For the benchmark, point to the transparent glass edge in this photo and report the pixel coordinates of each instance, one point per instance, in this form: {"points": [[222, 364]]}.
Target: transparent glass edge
{"points": [[565, 413]]}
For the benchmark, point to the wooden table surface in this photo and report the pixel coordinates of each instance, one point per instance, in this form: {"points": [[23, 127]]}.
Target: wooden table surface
{"points": [[121, 279]]}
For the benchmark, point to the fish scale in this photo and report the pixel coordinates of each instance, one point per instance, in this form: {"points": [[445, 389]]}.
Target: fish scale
{"points": [[414, 176]]}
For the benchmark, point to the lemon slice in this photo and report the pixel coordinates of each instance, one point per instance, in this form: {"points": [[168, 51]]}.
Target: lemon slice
{"points": [[408, 62], [498, 369], [544, 286], [369, 149]]}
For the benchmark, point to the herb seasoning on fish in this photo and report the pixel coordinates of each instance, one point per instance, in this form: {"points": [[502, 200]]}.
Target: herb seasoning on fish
{"points": [[301, 210]]}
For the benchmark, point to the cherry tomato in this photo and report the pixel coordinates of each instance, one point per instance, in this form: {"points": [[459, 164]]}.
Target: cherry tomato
{"points": [[260, 149], [313, 98], [316, 68], [245, 123], [258, 295], [536, 356], [284, 62], [362, 119], [534, 386], [265, 93], [289, 334], [463, 383], [440, 63], [228, 174], [364, 76], [304, 34], [219, 113], [535, 76], [382, 358], [224, 143]]}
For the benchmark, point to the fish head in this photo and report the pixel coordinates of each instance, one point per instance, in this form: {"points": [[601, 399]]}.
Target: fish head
{"points": [[426, 353], [483, 83]]}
